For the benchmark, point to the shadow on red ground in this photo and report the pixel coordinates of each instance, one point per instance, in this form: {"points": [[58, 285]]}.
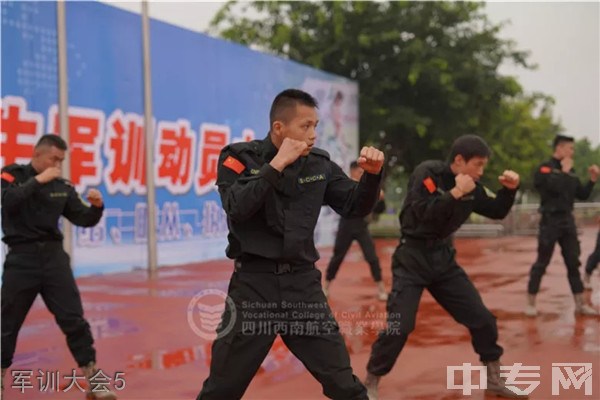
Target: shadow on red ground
{"points": [[143, 332]]}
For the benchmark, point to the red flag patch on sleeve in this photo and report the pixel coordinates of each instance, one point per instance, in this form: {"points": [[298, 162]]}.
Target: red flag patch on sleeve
{"points": [[545, 169], [234, 165], [7, 177], [429, 184]]}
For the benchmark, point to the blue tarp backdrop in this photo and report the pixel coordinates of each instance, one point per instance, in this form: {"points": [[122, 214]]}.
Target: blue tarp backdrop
{"points": [[206, 93]]}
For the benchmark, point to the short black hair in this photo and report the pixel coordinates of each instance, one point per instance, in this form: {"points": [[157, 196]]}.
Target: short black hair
{"points": [[562, 139], [354, 165], [52, 140], [469, 146], [287, 99]]}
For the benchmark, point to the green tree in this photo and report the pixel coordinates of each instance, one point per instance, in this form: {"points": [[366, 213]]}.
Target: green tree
{"points": [[520, 138], [428, 72]]}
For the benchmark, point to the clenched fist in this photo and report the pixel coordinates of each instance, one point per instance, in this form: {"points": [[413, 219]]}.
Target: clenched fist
{"points": [[48, 175], [509, 179], [289, 151], [371, 160], [566, 164], [464, 183], [594, 172], [95, 198]]}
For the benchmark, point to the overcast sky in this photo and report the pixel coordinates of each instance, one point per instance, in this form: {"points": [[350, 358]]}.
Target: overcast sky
{"points": [[564, 40]]}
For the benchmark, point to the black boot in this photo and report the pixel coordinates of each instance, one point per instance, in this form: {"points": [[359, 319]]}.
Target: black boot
{"points": [[371, 383], [90, 372], [496, 385]]}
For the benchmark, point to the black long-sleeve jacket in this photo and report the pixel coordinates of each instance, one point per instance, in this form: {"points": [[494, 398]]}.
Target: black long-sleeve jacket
{"points": [[273, 215], [558, 190], [31, 210], [429, 210]]}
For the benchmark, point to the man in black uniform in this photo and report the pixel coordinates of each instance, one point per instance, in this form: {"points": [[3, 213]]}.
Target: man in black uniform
{"points": [[33, 199], [592, 263], [440, 198], [272, 191], [559, 186], [357, 228]]}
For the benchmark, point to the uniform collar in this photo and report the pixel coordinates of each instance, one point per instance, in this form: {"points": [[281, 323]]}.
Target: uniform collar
{"points": [[447, 177], [269, 149], [447, 170], [30, 170]]}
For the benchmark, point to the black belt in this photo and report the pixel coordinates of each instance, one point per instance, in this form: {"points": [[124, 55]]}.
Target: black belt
{"points": [[254, 265], [426, 243], [31, 247], [557, 213]]}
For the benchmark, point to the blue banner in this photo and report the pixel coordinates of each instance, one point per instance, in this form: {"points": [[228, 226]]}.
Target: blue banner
{"points": [[206, 93]]}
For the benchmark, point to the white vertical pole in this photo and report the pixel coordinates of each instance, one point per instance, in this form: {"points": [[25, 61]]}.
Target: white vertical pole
{"points": [[63, 104], [149, 135]]}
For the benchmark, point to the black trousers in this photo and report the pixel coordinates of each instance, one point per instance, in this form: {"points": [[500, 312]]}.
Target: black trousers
{"points": [[594, 258], [266, 305], [44, 268], [434, 268], [348, 231], [557, 228]]}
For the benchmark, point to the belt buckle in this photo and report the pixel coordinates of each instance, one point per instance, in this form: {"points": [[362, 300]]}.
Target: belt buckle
{"points": [[282, 268]]}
